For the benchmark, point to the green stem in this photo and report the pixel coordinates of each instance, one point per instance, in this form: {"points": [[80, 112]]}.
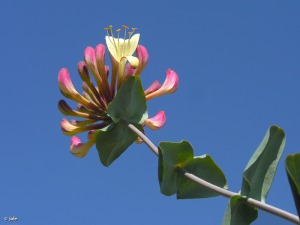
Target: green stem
{"points": [[265, 207]]}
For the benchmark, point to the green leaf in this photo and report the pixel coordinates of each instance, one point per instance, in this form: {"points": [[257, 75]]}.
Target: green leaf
{"points": [[171, 155], [205, 168], [129, 102], [238, 212], [180, 155], [292, 166], [260, 170], [111, 143], [129, 105]]}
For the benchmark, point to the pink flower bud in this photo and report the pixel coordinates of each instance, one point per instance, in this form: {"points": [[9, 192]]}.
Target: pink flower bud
{"points": [[83, 72], [67, 88], [81, 123], [169, 86], [157, 121], [68, 128], [100, 59], [65, 84], [128, 70], [90, 60], [153, 87], [65, 109], [80, 149], [90, 57], [142, 55]]}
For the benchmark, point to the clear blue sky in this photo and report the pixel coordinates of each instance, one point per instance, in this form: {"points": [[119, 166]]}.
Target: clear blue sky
{"points": [[238, 63]]}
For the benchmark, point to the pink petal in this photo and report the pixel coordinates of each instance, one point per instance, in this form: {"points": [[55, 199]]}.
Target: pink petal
{"points": [[67, 88], [70, 129], [65, 84], [100, 60], [90, 60], [128, 70], [67, 127], [143, 56], [157, 121], [153, 87], [171, 83], [100, 52], [169, 86], [90, 56], [80, 149]]}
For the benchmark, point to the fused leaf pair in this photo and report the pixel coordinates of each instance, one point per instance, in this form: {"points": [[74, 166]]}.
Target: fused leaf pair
{"points": [[130, 106], [174, 158]]}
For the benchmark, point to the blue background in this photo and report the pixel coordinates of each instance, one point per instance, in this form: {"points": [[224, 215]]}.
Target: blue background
{"points": [[238, 63]]}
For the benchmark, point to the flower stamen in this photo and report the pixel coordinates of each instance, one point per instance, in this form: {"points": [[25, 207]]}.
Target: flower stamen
{"points": [[121, 47]]}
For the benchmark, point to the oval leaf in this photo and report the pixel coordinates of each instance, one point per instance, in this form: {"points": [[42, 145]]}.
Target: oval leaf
{"points": [[260, 170], [238, 212], [174, 155], [205, 168], [171, 155], [292, 166], [129, 105], [111, 143], [129, 102]]}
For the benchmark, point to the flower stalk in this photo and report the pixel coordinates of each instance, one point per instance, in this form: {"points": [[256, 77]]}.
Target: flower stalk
{"points": [[221, 191]]}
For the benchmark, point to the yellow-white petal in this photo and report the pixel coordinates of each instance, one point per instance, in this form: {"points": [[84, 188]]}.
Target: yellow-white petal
{"points": [[119, 48], [133, 61]]}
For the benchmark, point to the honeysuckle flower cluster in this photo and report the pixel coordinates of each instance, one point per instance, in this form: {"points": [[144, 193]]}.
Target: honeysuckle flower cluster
{"points": [[92, 103]]}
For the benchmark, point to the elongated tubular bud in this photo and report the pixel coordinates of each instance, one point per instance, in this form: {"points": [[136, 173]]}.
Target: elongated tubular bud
{"points": [[66, 86], [68, 90], [143, 56], [90, 94], [90, 60], [84, 74], [84, 109], [65, 109], [82, 123], [100, 62], [70, 130]]}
